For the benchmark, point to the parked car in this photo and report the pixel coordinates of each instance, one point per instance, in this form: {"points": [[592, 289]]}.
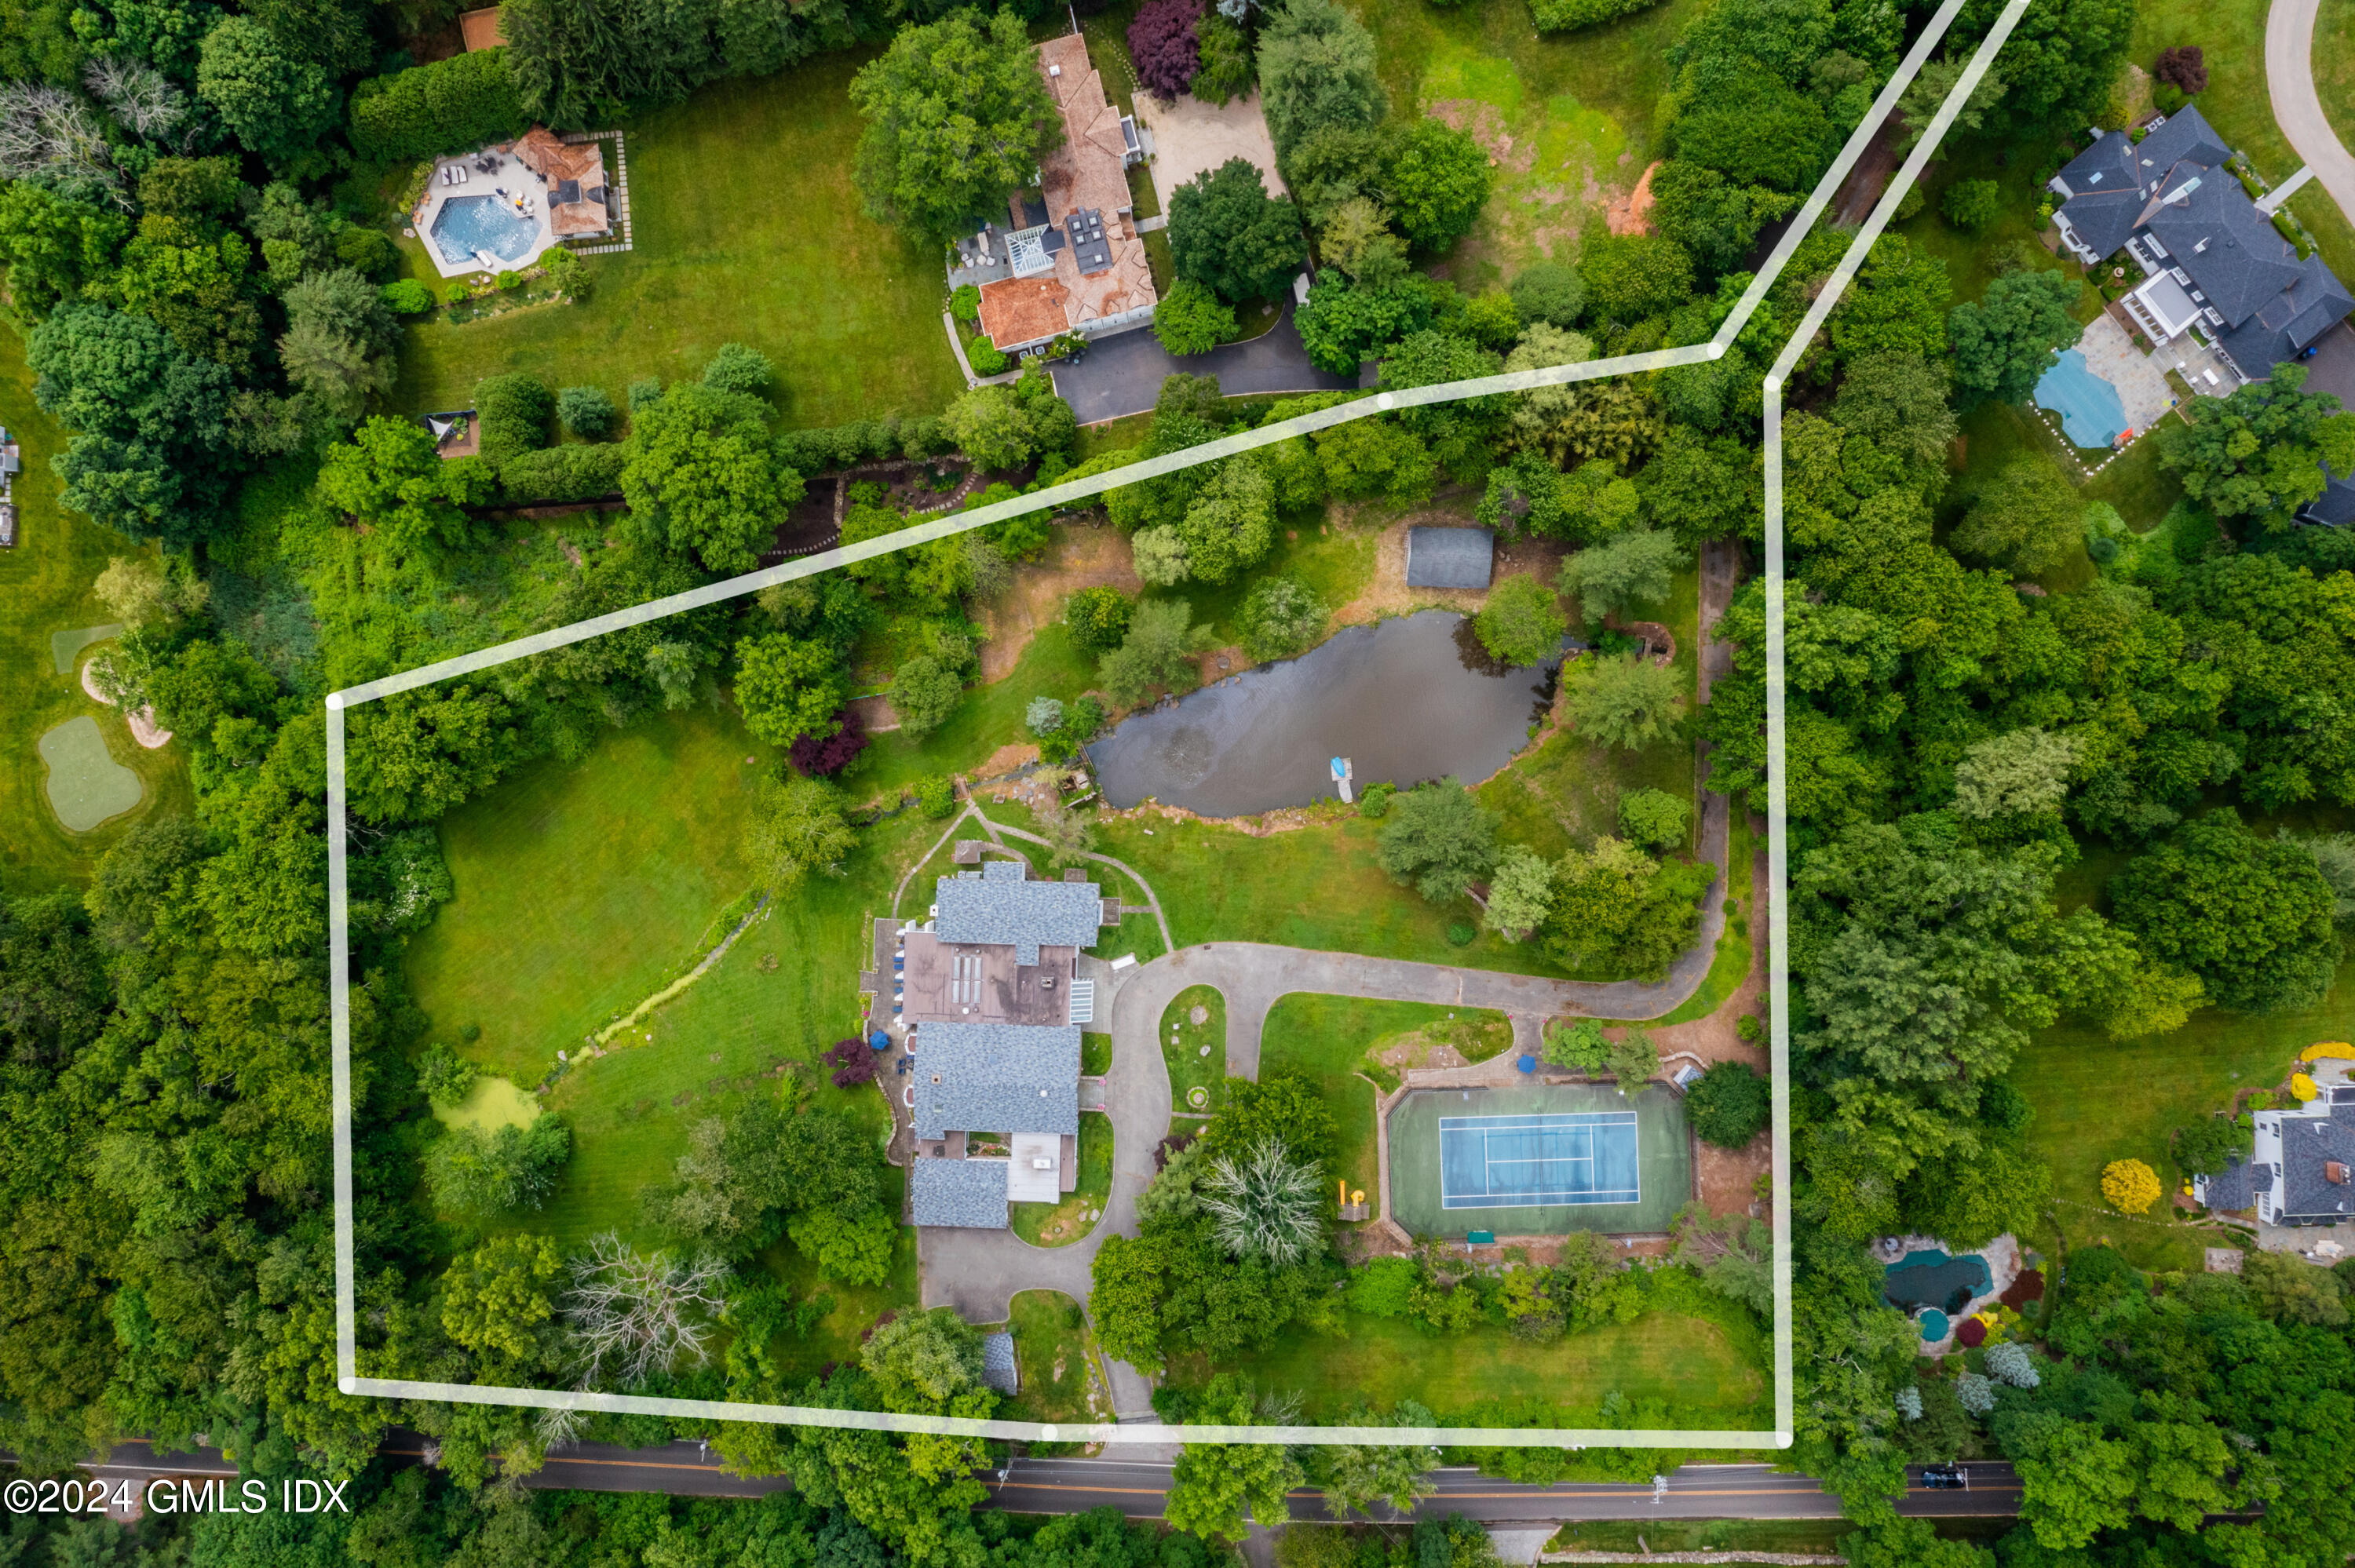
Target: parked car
{"points": [[1945, 1477]]}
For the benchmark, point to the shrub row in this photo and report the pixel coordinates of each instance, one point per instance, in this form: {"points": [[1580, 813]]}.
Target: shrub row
{"points": [[864, 440], [1556, 16], [579, 470], [427, 111]]}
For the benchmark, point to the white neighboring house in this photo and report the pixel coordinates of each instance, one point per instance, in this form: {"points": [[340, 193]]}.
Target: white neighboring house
{"points": [[2302, 1171]]}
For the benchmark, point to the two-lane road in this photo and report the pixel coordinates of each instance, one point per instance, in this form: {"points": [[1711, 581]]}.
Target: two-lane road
{"points": [[1138, 1487]]}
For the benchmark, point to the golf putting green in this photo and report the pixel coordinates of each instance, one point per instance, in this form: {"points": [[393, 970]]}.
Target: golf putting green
{"points": [[65, 646], [86, 785]]}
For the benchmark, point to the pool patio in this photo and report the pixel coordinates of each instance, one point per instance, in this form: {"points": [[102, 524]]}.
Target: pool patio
{"points": [[510, 175]]}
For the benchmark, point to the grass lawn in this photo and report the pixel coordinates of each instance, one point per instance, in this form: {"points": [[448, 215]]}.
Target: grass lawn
{"points": [[1056, 1357], [746, 230], [1995, 433], [1060, 1224], [1196, 1052], [1095, 1055], [2334, 66], [1710, 1372], [583, 888], [1761, 1535], [45, 582], [989, 717], [1334, 559], [1578, 107], [1339, 1044], [2232, 35], [2097, 1101]]}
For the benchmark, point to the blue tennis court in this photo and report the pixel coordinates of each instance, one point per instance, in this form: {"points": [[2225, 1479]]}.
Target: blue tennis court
{"points": [[1535, 1161]]}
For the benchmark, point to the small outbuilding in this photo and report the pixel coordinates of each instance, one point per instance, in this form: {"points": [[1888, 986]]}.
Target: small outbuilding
{"points": [[1449, 557]]}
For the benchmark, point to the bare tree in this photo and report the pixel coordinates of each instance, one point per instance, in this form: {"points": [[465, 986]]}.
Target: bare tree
{"points": [[49, 136], [635, 1314], [1265, 1205], [140, 95]]}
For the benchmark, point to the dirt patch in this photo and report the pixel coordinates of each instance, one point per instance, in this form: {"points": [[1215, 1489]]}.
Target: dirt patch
{"points": [[875, 714], [1323, 814], [1484, 123], [1418, 1050], [1861, 191], [1632, 213], [1387, 593], [1080, 555], [1727, 1179], [1004, 761]]}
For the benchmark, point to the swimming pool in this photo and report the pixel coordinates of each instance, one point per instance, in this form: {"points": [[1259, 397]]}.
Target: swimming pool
{"points": [[2091, 412], [1934, 1280], [468, 224]]}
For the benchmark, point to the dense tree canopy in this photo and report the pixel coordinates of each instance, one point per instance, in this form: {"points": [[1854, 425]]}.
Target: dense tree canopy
{"points": [[956, 116]]}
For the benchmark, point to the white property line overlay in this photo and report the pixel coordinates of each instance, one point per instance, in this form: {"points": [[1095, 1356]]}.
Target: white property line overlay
{"points": [[347, 1378]]}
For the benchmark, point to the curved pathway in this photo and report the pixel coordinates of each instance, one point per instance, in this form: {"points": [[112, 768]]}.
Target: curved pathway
{"points": [[2297, 109]]}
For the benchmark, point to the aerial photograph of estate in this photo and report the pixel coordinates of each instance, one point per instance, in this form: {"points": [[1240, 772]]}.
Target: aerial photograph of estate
{"points": [[1177, 783]]}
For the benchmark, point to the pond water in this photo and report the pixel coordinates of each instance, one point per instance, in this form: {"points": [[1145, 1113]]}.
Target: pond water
{"points": [[1933, 1280], [86, 785], [468, 224], [493, 1103], [1406, 700]]}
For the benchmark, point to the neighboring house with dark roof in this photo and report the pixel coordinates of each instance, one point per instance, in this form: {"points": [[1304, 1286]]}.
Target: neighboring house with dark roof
{"points": [[2302, 1170], [2336, 505], [969, 1193], [2212, 262], [1449, 557]]}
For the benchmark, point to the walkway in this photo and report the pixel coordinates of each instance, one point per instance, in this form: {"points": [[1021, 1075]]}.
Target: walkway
{"points": [[2289, 79], [1123, 374]]}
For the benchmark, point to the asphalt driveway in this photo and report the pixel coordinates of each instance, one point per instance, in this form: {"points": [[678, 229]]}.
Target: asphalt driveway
{"points": [[1123, 374]]}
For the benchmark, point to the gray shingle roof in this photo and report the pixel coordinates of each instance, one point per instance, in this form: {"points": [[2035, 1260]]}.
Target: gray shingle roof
{"points": [[1002, 904], [997, 1078], [2308, 1144], [969, 1193], [2336, 504], [2236, 1187], [2314, 302], [2232, 251], [997, 1365], [1449, 557]]}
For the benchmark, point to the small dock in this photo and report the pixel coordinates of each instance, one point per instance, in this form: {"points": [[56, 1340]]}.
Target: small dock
{"points": [[1344, 775]]}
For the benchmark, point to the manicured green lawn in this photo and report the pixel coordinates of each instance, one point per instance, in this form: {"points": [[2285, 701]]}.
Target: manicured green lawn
{"points": [[583, 888], [1578, 106], [45, 586], [990, 716], [2134, 483], [1709, 1371], [2334, 66], [1056, 1357], [2231, 33], [2097, 1101], [1060, 1224], [1095, 1055], [746, 230], [1196, 1052], [1338, 1043]]}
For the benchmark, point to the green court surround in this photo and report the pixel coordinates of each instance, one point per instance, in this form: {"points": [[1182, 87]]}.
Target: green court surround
{"points": [[1663, 1153]]}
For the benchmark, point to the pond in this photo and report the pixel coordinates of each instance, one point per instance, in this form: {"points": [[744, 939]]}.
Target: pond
{"points": [[1409, 699], [493, 1103], [1933, 1280]]}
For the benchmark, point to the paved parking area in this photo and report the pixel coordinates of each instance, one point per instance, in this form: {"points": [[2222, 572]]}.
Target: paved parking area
{"points": [[1190, 137]]}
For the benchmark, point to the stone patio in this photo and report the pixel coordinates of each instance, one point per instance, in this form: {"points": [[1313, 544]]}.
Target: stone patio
{"points": [[511, 174], [2141, 378]]}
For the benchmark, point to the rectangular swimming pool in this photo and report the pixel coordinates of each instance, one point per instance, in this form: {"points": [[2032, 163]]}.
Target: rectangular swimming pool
{"points": [[1531, 1161]]}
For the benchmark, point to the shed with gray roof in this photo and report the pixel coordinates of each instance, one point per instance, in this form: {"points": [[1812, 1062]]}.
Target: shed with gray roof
{"points": [[966, 1192], [1449, 557], [1002, 904], [997, 1078]]}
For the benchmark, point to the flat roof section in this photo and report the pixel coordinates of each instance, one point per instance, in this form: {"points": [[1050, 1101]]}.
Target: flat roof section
{"points": [[950, 982], [1449, 557]]}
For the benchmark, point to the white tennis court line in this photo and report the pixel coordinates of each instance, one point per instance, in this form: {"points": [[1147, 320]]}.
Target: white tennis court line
{"points": [[1586, 1126], [347, 1378]]}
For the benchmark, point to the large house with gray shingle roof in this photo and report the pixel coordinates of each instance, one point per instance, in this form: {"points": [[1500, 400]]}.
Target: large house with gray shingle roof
{"points": [[986, 1000], [2302, 1169], [2212, 263]]}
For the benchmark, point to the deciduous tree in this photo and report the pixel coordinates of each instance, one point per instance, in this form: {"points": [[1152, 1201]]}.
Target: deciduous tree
{"points": [[957, 115]]}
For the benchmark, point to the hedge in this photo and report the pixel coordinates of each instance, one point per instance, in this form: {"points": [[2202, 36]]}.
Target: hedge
{"points": [[828, 447], [576, 471], [450, 106], [514, 411], [1555, 16]]}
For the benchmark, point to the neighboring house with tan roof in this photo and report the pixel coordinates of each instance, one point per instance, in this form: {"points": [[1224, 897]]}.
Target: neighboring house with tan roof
{"points": [[1074, 261], [574, 172]]}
